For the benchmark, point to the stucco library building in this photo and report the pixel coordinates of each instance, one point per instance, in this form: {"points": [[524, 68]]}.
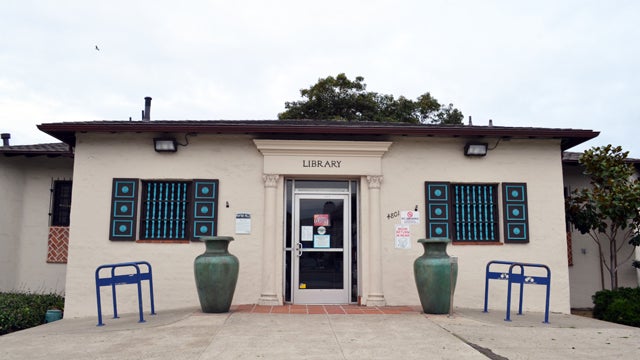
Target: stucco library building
{"points": [[322, 212]]}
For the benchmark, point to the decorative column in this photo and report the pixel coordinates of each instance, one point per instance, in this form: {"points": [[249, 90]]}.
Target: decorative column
{"points": [[375, 296], [268, 295]]}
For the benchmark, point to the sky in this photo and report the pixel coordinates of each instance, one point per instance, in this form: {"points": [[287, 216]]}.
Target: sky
{"points": [[552, 64]]}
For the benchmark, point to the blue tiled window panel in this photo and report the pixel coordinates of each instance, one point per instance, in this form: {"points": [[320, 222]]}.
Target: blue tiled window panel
{"points": [[475, 212], [124, 195], [516, 215], [164, 210]]}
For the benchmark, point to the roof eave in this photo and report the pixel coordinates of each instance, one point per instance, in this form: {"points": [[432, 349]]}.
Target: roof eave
{"points": [[66, 131], [37, 153]]}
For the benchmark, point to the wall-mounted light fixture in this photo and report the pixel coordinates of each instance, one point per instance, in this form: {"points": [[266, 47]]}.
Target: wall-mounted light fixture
{"points": [[170, 144], [475, 149], [165, 144]]}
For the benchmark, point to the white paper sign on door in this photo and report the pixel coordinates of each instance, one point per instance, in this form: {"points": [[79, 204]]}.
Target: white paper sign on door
{"points": [[321, 241], [306, 233]]}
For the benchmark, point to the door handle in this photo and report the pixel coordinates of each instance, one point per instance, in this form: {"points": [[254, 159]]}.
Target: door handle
{"points": [[299, 249]]}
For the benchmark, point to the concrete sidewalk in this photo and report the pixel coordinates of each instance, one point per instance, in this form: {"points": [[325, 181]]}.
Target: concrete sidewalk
{"points": [[190, 334]]}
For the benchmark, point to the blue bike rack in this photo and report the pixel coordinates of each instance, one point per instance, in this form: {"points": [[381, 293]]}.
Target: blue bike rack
{"points": [[134, 276], [518, 278]]}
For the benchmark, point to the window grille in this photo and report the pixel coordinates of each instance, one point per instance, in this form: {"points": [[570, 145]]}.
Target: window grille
{"points": [[164, 210], [61, 202], [475, 214], [167, 210]]}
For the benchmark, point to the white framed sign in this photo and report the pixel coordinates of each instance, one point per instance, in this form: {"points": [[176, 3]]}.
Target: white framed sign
{"points": [[409, 217], [243, 223], [403, 237]]}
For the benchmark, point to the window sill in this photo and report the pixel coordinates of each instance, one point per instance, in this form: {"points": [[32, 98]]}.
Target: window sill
{"points": [[163, 241], [494, 243]]}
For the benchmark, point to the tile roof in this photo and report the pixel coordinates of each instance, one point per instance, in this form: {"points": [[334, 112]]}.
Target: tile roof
{"points": [[574, 157], [66, 131], [51, 150], [570, 157]]}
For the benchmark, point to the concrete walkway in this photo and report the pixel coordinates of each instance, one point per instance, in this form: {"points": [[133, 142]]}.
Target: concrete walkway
{"points": [[253, 333]]}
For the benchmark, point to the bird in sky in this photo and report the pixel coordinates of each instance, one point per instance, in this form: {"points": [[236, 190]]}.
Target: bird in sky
{"points": [[97, 48]]}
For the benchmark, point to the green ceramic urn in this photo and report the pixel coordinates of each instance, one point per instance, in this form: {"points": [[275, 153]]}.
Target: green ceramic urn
{"points": [[435, 274], [216, 274]]}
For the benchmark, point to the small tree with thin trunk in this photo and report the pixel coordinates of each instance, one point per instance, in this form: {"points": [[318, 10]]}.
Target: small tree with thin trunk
{"points": [[608, 211]]}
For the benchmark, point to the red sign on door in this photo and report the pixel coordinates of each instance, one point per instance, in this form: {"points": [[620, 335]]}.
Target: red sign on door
{"points": [[321, 220]]}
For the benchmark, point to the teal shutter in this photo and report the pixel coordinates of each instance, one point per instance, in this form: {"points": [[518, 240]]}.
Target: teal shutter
{"points": [[437, 199], [205, 208], [516, 214], [124, 204]]}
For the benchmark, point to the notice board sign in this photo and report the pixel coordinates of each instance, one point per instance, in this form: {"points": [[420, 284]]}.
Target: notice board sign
{"points": [[409, 217], [243, 223], [403, 237]]}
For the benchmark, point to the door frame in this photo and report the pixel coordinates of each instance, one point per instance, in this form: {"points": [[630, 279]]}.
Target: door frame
{"points": [[322, 296]]}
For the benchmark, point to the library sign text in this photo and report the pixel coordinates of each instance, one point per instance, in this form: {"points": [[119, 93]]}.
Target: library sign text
{"points": [[321, 163]]}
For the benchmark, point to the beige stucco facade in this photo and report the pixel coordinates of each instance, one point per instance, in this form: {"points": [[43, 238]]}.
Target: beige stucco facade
{"points": [[585, 274], [24, 225], [251, 173]]}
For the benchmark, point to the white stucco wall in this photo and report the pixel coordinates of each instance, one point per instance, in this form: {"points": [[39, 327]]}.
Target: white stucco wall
{"points": [[411, 162], [585, 272], [26, 223], [238, 165], [11, 185], [234, 161]]}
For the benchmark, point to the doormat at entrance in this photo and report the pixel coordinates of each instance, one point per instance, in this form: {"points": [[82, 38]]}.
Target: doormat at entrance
{"points": [[325, 309]]}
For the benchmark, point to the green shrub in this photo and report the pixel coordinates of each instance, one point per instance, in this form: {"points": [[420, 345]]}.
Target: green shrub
{"points": [[621, 306], [24, 310]]}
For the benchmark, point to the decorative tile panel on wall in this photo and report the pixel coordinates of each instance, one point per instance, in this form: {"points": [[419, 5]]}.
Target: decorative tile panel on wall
{"points": [[437, 202], [205, 206], [58, 248], [569, 249], [516, 216], [123, 209]]}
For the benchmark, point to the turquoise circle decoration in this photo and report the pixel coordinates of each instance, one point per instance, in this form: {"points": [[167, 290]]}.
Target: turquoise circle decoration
{"points": [[124, 208], [515, 212], [437, 192], [438, 211], [204, 210], [516, 231], [205, 190], [125, 189], [438, 231], [203, 229], [122, 228], [515, 193]]}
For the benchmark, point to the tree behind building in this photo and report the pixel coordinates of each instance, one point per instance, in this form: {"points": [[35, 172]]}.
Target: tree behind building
{"points": [[342, 99]]}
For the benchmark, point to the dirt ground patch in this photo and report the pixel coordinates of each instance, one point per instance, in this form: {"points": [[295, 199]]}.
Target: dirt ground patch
{"points": [[583, 312]]}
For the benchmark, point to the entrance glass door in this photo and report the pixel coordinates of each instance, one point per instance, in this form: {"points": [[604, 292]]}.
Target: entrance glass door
{"points": [[321, 249]]}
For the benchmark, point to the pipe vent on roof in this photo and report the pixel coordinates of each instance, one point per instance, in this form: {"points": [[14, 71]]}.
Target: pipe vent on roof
{"points": [[5, 139], [146, 113]]}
